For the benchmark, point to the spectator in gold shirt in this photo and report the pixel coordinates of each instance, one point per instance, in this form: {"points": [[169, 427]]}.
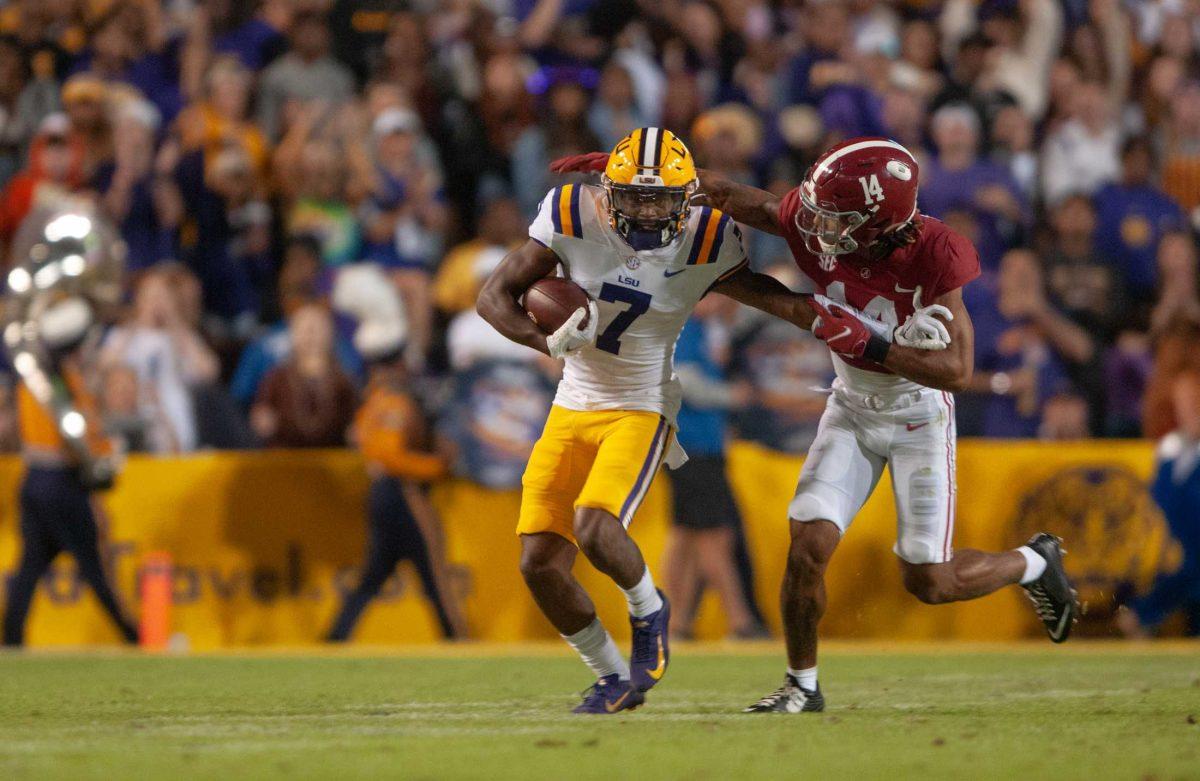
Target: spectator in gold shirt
{"points": [[501, 228], [221, 118]]}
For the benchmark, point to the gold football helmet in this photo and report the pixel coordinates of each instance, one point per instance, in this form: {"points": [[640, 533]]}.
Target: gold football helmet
{"points": [[649, 181]]}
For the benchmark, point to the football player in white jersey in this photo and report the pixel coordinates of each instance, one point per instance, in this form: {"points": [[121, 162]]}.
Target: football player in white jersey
{"points": [[645, 255]]}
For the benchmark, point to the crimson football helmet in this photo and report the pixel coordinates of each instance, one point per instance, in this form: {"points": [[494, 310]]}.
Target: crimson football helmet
{"points": [[857, 193]]}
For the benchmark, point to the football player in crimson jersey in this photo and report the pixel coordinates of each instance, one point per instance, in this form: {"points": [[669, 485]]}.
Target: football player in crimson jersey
{"points": [[855, 231]]}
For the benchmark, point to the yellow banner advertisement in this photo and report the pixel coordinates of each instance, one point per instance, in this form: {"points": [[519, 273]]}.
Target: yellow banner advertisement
{"points": [[264, 545]]}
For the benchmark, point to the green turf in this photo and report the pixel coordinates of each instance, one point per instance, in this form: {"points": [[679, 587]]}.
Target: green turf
{"points": [[1048, 714]]}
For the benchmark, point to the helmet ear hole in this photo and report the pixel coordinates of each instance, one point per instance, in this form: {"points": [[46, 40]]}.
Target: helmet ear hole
{"points": [[899, 170]]}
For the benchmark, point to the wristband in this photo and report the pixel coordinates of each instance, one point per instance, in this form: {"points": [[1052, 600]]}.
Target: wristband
{"points": [[877, 349]]}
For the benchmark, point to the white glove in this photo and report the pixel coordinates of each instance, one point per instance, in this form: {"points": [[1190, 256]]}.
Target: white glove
{"points": [[877, 327], [574, 334], [924, 329]]}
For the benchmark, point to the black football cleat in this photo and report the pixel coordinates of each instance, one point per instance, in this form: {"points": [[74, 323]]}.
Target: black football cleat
{"points": [[1056, 603], [790, 698]]}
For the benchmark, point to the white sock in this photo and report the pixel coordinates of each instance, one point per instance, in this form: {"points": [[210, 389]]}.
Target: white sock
{"points": [[807, 678], [643, 598], [1035, 565], [596, 647]]}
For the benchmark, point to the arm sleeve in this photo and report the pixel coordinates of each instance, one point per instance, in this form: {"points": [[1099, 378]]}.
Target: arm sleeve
{"points": [[85, 403], [541, 229], [789, 207], [388, 449], [381, 435], [732, 256], [960, 262]]}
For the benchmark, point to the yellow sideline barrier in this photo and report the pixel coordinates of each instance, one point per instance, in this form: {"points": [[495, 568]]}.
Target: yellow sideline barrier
{"points": [[264, 543]]}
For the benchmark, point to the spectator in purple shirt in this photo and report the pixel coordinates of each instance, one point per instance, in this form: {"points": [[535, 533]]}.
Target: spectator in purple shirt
{"points": [[1023, 347], [130, 46], [1132, 216], [126, 184], [819, 67], [254, 36], [957, 179]]}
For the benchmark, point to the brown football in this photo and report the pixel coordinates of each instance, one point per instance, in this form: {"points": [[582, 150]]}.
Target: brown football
{"points": [[551, 301]]}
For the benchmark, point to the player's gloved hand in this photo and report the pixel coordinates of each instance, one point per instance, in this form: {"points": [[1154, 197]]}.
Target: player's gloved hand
{"points": [[589, 162], [877, 327], [924, 329], [578, 331], [848, 332]]}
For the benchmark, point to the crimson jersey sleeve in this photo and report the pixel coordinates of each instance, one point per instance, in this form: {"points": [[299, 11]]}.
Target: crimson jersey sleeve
{"points": [[789, 207], [957, 262]]}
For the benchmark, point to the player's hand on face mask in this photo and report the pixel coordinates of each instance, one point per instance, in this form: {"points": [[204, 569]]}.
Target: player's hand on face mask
{"points": [[925, 328], [577, 332], [849, 332], [589, 162]]}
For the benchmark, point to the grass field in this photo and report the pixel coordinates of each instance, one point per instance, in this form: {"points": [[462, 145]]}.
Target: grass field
{"points": [[1027, 712]]}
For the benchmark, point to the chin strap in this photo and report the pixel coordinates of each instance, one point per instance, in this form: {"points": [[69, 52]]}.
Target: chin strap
{"points": [[646, 240]]}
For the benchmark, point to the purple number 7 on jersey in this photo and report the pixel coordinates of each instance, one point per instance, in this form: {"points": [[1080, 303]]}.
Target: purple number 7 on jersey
{"points": [[639, 303]]}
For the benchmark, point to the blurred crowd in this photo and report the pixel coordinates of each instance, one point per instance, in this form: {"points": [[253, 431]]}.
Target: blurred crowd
{"points": [[256, 155]]}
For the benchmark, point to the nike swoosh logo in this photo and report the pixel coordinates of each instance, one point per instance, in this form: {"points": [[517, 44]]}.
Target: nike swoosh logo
{"points": [[615, 705], [915, 426], [658, 671], [845, 332], [673, 273]]}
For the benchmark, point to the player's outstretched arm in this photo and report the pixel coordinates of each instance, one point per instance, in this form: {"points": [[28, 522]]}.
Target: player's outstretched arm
{"points": [[745, 204], [497, 302], [769, 295], [949, 369]]}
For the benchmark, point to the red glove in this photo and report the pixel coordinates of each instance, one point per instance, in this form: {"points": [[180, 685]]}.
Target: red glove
{"points": [[846, 334], [589, 162]]}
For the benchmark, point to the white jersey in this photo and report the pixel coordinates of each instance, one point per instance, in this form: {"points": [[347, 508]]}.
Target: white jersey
{"points": [[644, 297]]}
